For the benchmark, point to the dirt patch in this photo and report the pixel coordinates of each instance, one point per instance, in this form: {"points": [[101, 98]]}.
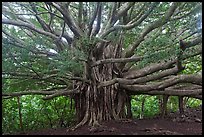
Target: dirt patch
{"points": [[173, 124]]}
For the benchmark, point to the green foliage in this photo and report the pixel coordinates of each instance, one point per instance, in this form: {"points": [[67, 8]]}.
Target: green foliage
{"points": [[12, 85], [151, 106], [10, 117], [86, 44], [193, 65], [152, 55], [130, 37], [193, 103], [36, 113], [172, 105], [68, 61]]}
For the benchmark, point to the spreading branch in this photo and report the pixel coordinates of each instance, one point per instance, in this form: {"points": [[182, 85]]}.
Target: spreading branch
{"points": [[194, 79], [50, 94], [28, 26], [148, 70], [130, 51], [133, 23], [140, 79], [68, 19]]}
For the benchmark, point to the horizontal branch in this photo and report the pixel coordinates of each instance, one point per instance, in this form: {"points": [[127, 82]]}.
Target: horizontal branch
{"points": [[116, 60], [62, 93], [141, 79], [30, 92], [80, 79], [194, 91], [134, 73], [188, 93], [21, 44], [157, 76], [174, 92], [51, 94], [52, 77], [134, 59], [19, 74], [143, 74], [29, 26], [181, 92], [193, 42], [194, 79], [148, 70]]}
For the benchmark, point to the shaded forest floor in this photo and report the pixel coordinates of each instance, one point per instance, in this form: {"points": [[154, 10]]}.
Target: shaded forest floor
{"points": [[173, 124]]}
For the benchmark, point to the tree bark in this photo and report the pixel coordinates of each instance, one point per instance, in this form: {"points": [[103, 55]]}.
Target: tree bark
{"points": [[181, 105], [129, 111], [20, 114], [164, 105]]}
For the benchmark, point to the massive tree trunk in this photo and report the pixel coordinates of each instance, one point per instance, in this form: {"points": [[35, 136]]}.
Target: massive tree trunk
{"points": [[95, 104]]}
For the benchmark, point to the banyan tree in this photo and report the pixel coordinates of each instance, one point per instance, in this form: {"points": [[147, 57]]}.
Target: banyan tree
{"points": [[101, 53]]}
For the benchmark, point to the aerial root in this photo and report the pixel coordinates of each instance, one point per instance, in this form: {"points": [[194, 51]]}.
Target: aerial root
{"points": [[84, 121], [96, 127], [96, 124]]}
